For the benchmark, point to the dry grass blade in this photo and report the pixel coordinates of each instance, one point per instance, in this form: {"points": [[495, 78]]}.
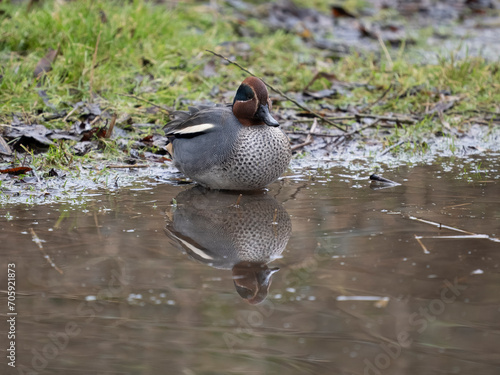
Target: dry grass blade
{"points": [[386, 52], [92, 68], [146, 101]]}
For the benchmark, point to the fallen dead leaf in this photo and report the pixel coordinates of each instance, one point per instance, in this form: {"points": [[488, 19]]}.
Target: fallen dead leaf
{"points": [[339, 11], [16, 170], [4, 147], [98, 132], [45, 63], [38, 133]]}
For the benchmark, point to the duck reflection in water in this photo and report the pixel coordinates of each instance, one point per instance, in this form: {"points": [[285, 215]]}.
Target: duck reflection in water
{"points": [[228, 231]]}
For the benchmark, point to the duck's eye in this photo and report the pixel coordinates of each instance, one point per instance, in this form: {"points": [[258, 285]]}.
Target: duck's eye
{"points": [[244, 93]]}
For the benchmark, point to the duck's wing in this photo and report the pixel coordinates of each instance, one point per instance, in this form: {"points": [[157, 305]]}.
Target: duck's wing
{"points": [[196, 121]]}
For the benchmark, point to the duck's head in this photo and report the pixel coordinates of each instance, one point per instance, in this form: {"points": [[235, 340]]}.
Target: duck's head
{"points": [[252, 105], [252, 280]]}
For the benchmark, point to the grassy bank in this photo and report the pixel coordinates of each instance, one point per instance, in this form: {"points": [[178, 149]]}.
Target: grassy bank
{"points": [[130, 58]]}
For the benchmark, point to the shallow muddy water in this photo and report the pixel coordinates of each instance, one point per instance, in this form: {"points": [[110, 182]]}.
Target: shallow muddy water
{"points": [[160, 278]]}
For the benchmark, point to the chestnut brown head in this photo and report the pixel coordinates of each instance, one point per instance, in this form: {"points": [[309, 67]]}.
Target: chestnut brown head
{"points": [[252, 105]]}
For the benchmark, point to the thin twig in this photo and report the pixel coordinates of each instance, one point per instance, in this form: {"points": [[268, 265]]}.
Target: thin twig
{"points": [[278, 91], [357, 116], [441, 226], [115, 166], [238, 200], [421, 244], [38, 241], [309, 139], [111, 126], [340, 118], [464, 237], [456, 205], [296, 147], [146, 101], [363, 128], [315, 134], [313, 128], [92, 68], [478, 111], [388, 149], [71, 112], [379, 99], [98, 227], [95, 120], [466, 234], [402, 120]]}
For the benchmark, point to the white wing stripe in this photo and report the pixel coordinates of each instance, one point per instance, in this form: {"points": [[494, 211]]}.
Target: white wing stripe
{"points": [[195, 129]]}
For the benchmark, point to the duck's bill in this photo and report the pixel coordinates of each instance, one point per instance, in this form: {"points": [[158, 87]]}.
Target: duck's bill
{"points": [[264, 115]]}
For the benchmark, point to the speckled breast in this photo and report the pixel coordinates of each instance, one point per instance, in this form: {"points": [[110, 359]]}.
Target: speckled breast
{"points": [[259, 157]]}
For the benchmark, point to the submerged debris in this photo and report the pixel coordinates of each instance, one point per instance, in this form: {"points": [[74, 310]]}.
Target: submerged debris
{"points": [[379, 182]]}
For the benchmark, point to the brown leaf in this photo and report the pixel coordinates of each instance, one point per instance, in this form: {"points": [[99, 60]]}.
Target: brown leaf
{"points": [[306, 33], [45, 63], [365, 31], [94, 132], [16, 171], [338, 11]]}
